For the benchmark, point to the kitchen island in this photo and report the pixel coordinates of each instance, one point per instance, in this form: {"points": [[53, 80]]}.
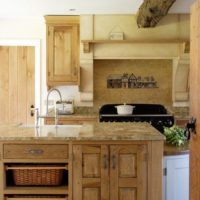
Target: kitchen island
{"points": [[98, 161]]}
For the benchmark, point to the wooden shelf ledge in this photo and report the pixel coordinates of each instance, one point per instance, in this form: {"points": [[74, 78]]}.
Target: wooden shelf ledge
{"points": [[36, 190], [87, 43]]}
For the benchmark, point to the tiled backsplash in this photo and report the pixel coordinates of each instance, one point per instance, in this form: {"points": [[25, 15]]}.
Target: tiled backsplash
{"points": [[160, 69]]}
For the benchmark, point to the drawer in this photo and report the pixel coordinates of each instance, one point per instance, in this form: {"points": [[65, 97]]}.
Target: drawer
{"points": [[36, 198], [35, 151]]}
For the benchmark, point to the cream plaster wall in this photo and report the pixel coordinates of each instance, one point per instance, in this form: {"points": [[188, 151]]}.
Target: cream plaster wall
{"points": [[170, 27], [160, 69], [100, 26], [92, 27]]}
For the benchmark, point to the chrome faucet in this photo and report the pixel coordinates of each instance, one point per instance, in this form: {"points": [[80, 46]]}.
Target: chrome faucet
{"points": [[49, 92]]}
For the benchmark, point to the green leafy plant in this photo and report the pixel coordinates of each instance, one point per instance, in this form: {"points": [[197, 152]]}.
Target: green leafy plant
{"points": [[175, 135]]}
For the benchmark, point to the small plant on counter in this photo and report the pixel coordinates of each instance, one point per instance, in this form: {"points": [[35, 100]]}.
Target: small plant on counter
{"points": [[175, 135]]}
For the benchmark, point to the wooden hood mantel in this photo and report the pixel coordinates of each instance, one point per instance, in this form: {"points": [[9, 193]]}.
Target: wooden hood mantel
{"points": [[152, 11], [87, 43]]}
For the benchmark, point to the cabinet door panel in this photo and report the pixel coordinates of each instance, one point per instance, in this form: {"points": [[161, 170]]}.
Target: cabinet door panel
{"points": [[91, 194], [63, 51], [90, 172], [91, 165], [128, 172], [177, 177], [127, 194], [128, 165]]}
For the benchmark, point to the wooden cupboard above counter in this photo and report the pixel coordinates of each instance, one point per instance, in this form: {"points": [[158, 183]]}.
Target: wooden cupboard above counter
{"points": [[100, 161], [62, 50]]}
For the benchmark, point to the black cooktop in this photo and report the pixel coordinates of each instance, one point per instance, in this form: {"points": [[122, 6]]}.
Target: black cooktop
{"points": [[155, 114]]}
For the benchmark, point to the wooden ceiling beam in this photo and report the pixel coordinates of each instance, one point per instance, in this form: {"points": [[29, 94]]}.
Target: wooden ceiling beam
{"points": [[152, 11]]}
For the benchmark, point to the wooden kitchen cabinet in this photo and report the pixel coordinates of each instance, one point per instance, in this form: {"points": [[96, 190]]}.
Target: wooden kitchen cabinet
{"points": [[90, 172], [62, 50], [22, 162], [115, 172]]}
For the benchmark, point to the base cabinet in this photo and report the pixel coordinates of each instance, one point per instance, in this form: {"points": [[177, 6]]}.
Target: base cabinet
{"points": [[87, 170], [115, 172], [176, 179]]}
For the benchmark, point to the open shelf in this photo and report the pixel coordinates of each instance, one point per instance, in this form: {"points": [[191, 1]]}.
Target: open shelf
{"points": [[36, 190], [88, 43], [36, 197]]}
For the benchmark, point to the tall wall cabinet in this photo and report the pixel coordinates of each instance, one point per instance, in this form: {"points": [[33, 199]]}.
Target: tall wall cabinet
{"points": [[62, 50]]}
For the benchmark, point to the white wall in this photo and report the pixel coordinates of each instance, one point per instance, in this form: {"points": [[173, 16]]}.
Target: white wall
{"points": [[39, 8]]}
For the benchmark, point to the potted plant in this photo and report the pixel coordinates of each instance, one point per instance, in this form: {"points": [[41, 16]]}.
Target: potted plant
{"points": [[175, 135]]}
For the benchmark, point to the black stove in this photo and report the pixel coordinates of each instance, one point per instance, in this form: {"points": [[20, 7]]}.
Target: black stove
{"points": [[155, 114]]}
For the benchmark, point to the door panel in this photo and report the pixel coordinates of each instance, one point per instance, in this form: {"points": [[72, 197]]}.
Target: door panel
{"points": [[127, 166], [91, 172], [16, 84], [127, 194], [91, 193], [91, 165], [195, 101], [128, 172], [63, 53]]}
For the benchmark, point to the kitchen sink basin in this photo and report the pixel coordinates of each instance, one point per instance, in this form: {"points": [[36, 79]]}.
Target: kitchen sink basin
{"points": [[54, 130]]}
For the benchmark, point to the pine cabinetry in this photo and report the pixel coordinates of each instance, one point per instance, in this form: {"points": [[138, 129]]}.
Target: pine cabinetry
{"points": [[115, 172], [32, 170], [97, 170], [62, 50]]}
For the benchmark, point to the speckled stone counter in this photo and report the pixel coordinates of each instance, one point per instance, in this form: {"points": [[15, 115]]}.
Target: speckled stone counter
{"points": [[95, 131], [171, 150]]}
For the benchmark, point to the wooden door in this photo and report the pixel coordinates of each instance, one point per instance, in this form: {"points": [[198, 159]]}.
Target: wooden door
{"points": [[63, 54], [195, 101], [17, 76], [90, 172], [128, 172]]}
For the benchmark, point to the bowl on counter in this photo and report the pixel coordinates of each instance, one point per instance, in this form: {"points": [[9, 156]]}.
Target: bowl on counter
{"points": [[124, 109]]}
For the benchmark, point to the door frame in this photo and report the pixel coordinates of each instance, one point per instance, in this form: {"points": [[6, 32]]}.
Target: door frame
{"points": [[33, 43]]}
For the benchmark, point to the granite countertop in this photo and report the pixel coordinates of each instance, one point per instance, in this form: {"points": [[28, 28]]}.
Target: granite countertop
{"points": [[95, 131], [171, 150], [72, 116], [78, 114]]}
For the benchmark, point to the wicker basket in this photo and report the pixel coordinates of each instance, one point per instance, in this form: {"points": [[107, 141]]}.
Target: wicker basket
{"points": [[37, 175]]}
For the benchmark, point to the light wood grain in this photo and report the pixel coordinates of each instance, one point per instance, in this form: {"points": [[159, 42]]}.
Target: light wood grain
{"points": [[194, 101], [36, 198], [87, 44], [90, 172], [128, 170], [62, 50], [17, 84], [35, 151], [155, 170]]}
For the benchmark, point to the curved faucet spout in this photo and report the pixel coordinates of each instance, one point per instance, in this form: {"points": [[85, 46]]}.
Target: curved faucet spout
{"points": [[49, 92]]}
